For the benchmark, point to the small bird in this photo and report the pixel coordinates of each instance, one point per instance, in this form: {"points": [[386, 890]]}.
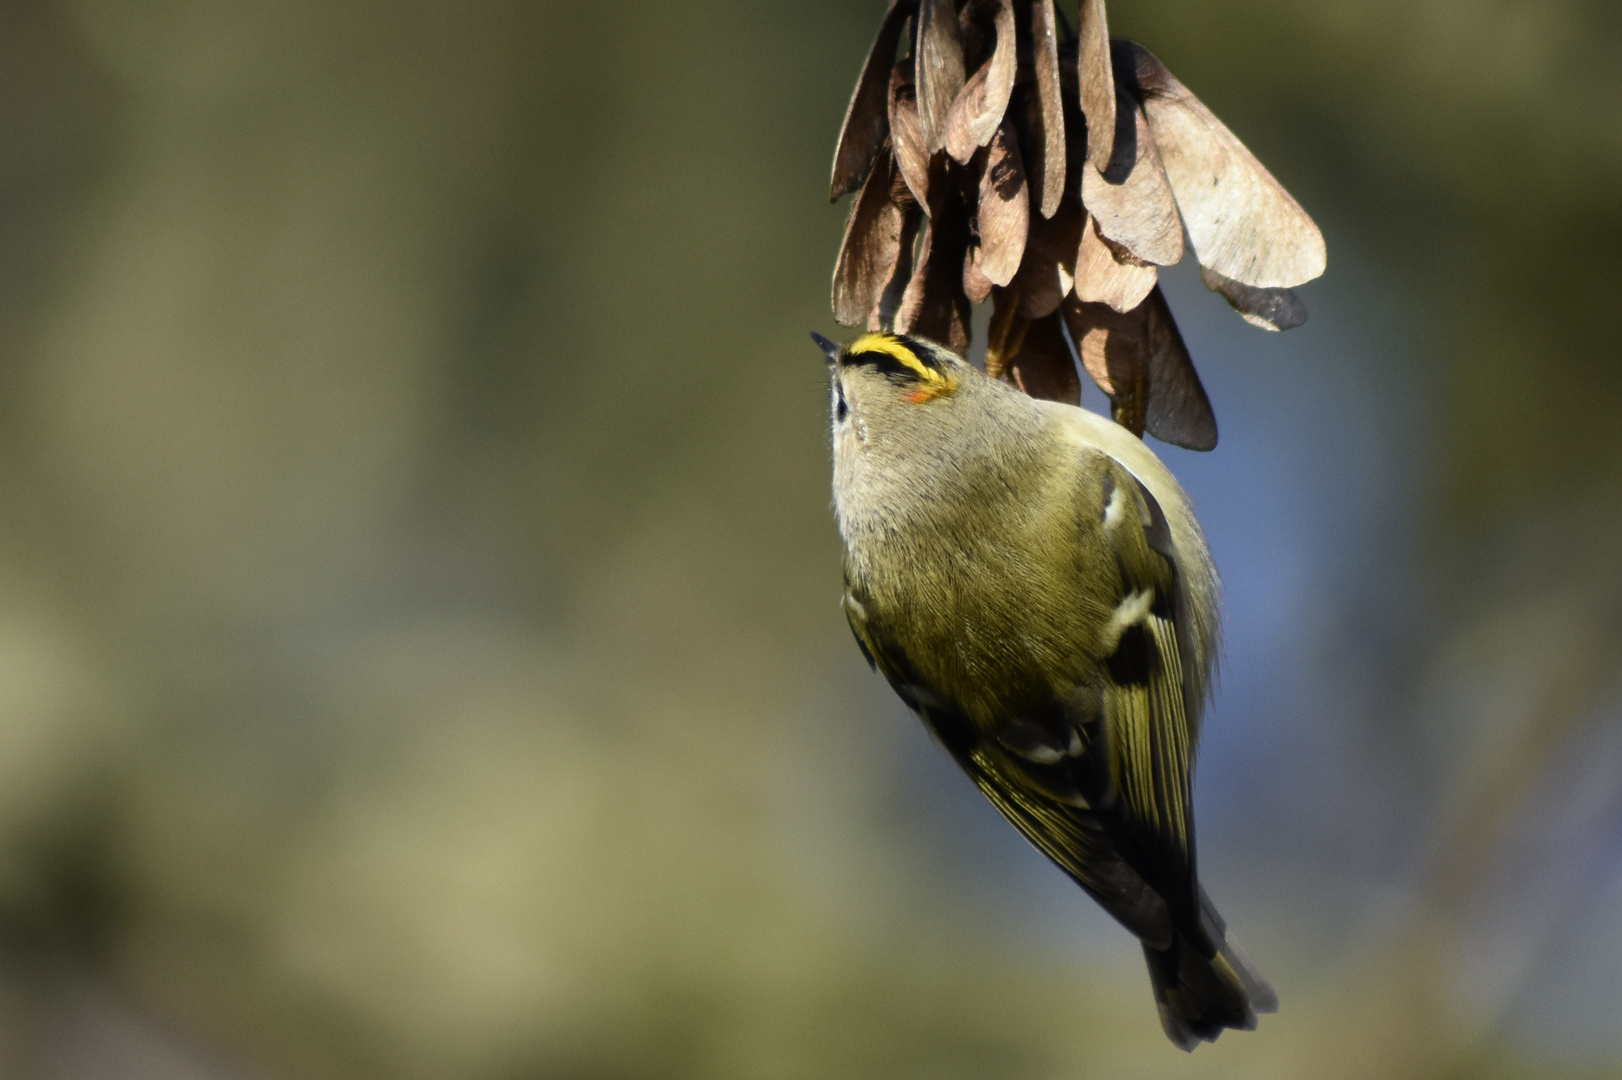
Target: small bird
{"points": [[1031, 581]]}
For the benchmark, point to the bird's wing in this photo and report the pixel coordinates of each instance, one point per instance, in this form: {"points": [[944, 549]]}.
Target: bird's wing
{"points": [[1098, 783], [1145, 746], [1101, 782], [1045, 804], [1033, 772]]}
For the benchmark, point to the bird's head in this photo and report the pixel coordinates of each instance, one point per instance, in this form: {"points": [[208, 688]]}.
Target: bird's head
{"points": [[887, 386]]}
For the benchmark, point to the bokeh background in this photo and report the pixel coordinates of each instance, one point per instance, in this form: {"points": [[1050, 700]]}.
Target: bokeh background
{"points": [[419, 644]]}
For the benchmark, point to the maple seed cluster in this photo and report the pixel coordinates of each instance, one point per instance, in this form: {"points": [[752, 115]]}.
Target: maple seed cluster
{"points": [[1001, 155]]}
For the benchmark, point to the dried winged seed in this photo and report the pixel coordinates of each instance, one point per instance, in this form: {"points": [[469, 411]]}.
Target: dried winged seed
{"points": [[1108, 274], [975, 32], [906, 134], [976, 286], [882, 317], [1114, 348], [1075, 122], [939, 68], [1005, 333], [900, 193], [1243, 224], [1050, 255], [1047, 174], [1095, 67], [1139, 360], [864, 126], [1045, 367], [933, 305], [1131, 201], [1110, 344], [1004, 212], [872, 243], [1270, 309], [980, 105], [1179, 412]]}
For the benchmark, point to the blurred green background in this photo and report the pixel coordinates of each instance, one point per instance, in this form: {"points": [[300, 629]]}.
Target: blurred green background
{"points": [[419, 644]]}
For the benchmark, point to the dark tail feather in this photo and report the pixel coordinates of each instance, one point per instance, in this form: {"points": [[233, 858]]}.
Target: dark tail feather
{"points": [[1202, 990]]}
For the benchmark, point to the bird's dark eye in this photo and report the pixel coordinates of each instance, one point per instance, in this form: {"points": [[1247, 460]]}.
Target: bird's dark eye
{"points": [[841, 410]]}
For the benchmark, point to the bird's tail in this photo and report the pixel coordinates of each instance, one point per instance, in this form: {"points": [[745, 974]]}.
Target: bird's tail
{"points": [[1202, 987]]}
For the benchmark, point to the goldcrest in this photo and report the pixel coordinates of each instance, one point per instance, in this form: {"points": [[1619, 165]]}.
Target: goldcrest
{"points": [[1032, 582]]}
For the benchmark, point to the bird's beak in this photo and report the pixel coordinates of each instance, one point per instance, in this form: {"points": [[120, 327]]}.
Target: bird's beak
{"points": [[829, 349]]}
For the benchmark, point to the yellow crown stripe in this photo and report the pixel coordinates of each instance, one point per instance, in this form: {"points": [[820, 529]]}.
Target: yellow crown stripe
{"points": [[889, 346]]}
